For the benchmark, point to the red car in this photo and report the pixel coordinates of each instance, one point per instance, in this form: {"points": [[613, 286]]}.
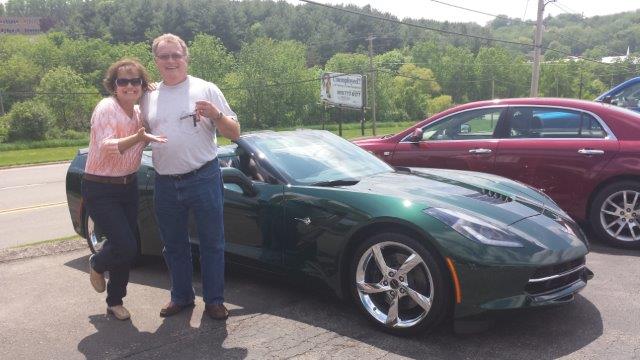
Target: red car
{"points": [[584, 155]]}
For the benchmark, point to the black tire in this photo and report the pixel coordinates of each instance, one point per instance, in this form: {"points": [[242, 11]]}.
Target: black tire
{"points": [[428, 278], [616, 224]]}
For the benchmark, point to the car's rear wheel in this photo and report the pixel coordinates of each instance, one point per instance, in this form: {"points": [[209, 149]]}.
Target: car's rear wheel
{"points": [[615, 214], [399, 284], [96, 238]]}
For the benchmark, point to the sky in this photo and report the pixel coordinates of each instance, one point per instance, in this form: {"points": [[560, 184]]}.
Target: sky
{"points": [[526, 9]]}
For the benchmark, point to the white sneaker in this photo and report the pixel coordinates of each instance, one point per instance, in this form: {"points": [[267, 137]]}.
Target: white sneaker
{"points": [[119, 311]]}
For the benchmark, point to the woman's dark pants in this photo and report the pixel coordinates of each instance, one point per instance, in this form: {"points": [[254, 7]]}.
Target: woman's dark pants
{"points": [[114, 209]]}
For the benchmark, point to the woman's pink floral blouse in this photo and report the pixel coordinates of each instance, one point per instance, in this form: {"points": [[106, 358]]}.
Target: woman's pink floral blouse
{"points": [[109, 123]]}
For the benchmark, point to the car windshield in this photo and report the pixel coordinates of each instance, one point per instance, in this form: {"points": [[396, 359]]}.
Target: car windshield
{"points": [[314, 157]]}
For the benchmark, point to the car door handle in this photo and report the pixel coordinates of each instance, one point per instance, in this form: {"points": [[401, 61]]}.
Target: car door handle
{"points": [[480, 151], [305, 221], [590, 152]]}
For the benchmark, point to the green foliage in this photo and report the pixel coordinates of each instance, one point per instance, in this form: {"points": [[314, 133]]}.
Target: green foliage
{"points": [[438, 104], [69, 97], [209, 59], [29, 120], [270, 78], [4, 128], [412, 88]]}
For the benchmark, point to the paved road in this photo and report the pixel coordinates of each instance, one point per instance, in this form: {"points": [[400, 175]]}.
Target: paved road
{"points": [[33, 204], [48, 310]]}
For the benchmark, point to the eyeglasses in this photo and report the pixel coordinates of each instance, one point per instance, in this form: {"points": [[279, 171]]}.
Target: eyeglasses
{"points": [[124, 82], [165, 57]]}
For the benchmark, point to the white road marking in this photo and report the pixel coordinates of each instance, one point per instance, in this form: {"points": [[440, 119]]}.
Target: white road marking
{"points": [[22, 186], [34, 207]]}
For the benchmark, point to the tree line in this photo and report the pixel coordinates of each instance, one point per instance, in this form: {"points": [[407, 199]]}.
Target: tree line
{"points": [[270, 73]]}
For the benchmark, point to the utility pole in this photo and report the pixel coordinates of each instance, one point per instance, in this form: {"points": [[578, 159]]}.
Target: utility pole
{"points": [[493, 88], [373, 84], [1, 104], [537, 43]]}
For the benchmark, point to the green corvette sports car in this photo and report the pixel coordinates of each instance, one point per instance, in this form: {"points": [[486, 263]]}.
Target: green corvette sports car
{"points": [[411, 246]]}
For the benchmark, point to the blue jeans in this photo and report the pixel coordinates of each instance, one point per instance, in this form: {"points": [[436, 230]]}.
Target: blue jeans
{"points": [[114, 209], [202, 194]]}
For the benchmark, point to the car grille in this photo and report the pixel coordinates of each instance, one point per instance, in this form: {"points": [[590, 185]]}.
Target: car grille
{"points": [[555, 277]]}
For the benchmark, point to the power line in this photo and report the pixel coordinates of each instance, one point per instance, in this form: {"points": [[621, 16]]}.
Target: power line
{"points": [[510, 19], [448, 32]]}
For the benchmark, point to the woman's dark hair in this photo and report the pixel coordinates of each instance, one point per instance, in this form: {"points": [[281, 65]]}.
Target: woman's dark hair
{"points": [[128, 64]]}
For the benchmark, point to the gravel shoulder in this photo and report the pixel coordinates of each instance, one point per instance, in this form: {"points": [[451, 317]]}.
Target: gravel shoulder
{"points": [[42, 249]]}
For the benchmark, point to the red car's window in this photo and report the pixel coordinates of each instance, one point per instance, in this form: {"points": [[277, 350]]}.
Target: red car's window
{"points": [[468, 125], [542, 122]]}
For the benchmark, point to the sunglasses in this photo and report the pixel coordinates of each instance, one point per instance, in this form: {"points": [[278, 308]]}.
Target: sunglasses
{"points": [[124, 82], [165, 57]]}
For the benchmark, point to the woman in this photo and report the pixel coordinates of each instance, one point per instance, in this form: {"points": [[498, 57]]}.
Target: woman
{"points": [[109, 186]]}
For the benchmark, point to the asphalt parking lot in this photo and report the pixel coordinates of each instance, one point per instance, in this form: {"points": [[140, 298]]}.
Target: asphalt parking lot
{"points": [[48, 310]]}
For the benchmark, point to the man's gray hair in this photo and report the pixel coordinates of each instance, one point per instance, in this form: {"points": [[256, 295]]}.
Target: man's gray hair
{"points": [[171, 39]]}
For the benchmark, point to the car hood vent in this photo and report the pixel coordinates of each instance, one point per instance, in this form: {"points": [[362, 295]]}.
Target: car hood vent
{"points": [[489, 196]]}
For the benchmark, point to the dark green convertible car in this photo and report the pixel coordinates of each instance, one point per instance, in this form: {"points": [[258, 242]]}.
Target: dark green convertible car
{"points": [[409, 245]]}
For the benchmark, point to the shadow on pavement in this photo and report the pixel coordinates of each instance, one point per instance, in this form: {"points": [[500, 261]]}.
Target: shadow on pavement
{"points": [[599, 246], [532, 334]]}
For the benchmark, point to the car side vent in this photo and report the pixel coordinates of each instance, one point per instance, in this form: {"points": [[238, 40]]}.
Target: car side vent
{"points": [[490, 197]]}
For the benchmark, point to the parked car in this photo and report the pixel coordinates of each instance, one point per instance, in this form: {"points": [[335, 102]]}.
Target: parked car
{"points": [[626, 94], [585, 155], [408, 245]]}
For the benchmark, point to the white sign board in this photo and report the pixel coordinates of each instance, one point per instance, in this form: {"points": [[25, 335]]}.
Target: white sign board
{"points": [[342, 90]]}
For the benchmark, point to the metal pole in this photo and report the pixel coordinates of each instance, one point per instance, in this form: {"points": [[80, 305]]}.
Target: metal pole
{"points": [[535, 72], [362, 121], [493, 88], [373, 84], [340, 121]]}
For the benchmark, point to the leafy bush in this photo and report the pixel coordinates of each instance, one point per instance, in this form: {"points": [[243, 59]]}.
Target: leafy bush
{"points": [[29, 120], [4, 128]]}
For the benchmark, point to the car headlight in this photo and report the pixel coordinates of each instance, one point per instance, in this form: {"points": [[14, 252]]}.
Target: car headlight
{"points": [[476, 229]]}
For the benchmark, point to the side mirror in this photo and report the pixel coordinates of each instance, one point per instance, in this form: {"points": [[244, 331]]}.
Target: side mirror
{"points": [[465, 129], [234, 178], [416, 136], [607, 99]]}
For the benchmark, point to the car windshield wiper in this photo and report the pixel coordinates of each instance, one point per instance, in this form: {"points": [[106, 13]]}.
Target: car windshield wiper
{"points": [[339, 182]]}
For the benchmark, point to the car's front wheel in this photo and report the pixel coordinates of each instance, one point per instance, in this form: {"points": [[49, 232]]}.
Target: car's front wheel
{"points": [[399, 284], [615, 214]]}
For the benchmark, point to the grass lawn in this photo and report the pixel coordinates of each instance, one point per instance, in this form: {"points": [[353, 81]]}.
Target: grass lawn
{"points": [[45, 155], [36, 156]]}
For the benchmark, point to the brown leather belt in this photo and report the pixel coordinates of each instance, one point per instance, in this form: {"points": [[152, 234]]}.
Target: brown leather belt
{"points": [[190, 173], [122, 180]]}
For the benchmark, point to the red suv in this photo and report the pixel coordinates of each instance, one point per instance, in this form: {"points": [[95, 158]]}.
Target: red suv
{"points": [[585, 155]]}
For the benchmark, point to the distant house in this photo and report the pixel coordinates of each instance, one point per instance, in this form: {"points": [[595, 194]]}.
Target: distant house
{"points": [[621, 58], [20, 25]]}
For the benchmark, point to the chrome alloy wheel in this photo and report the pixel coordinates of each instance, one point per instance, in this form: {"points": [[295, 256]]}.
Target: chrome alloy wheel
{"points": [[96, 241], [394, 284], [620, 215]]}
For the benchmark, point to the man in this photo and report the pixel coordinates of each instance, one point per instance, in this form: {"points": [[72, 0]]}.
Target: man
{"points": [[188, 111]]}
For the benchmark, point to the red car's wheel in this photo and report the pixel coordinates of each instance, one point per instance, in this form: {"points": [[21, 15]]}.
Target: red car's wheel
{"points": [[615, 214]]}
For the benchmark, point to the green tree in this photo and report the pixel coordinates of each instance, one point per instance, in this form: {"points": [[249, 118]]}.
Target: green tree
{"points": [[69, 97], [29, 120], [18, 78], [412, 88], [274, 84], [209, 59], [438, 104]]}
